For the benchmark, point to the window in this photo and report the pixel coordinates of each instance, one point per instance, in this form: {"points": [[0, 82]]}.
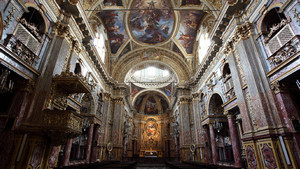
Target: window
{"points": [[99, 43]]}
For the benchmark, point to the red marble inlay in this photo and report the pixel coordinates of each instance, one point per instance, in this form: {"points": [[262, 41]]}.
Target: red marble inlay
{"points": [[269, 157], [251, 157]]}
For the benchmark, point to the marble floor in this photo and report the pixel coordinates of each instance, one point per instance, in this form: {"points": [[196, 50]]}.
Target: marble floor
{"points": [[151, 166]]}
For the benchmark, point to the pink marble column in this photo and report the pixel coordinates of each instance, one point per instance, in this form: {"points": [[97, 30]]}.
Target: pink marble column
{"points": [[95, 146], [289, 111], [78, 149], [89, 143], [235, 142], [67, 152], [207, 150], [213, 144]]}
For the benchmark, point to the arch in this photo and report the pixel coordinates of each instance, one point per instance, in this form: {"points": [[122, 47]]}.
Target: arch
{"points": [[225, 69], [215, 104], [170, 58], [145, 91], [45, 20], [260, 22], [151, 103], [88, 104], [144, 64], [77, 69]]}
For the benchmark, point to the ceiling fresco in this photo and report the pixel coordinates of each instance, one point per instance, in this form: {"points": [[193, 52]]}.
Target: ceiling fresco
{"points": [[189, 23], [113, 21], [141, 23], [151, 25]]}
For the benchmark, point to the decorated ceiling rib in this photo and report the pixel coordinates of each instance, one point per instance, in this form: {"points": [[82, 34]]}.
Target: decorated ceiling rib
{"points": [[190, 2]]}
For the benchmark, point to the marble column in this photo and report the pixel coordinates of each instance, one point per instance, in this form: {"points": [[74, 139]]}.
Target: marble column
{"points": [[95, 144], [67, 151], [185, 127], [288, 111], [206, 140], [89, 143], [196, 119], [236, 73], [78, 149], [235, 142], [117, 128], [213, 144]]}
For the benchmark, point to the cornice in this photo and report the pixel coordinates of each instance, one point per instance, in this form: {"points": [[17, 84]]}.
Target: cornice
{"points": [[230, 11]]}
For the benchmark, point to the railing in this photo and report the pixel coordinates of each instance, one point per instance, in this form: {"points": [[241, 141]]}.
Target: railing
{"points": [[289, 49], [278, 40], [228, 87], [24, 44]]}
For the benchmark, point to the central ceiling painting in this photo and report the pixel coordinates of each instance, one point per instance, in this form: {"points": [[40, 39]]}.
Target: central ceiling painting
{"points": [[151, 21]]}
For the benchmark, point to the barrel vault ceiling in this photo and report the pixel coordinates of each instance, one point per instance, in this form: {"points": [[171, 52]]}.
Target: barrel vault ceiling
{"points": [[134, 26]]}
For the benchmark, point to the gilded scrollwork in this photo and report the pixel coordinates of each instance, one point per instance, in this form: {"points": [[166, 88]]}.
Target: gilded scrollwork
{"points": [[284, 53], [185, 100], [297, 15], [242, 32], [61, 29]]}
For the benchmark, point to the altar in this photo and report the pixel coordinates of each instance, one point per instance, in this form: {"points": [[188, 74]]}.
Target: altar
{"points": [[151, 153]]}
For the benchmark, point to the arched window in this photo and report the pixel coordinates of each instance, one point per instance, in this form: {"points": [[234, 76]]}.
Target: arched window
{"points": [[28, 38], [272, 23], [77, 70], [228, 83], [99, 43]]}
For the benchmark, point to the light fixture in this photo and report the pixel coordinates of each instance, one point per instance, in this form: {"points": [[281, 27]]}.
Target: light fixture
{"points": [[218, 126]]}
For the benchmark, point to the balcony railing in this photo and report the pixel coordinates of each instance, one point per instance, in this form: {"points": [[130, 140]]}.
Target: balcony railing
{"points": [[284, 35], [24, 44], [289, 49]]}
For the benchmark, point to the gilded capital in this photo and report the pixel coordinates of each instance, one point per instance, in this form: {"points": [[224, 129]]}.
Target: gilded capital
{"points": [[196, 96], [246, 30], [118, 100], [242, 32], [61, 29], [76, 47], [278, 87], [106, 96], [184, 100]]}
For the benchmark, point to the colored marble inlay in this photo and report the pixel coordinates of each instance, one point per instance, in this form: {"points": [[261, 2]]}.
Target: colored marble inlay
{"points": [[269, 158], [251, 157]]}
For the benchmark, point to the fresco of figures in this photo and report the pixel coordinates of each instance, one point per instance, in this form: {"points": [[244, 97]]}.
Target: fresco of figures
{"points": [[152, 25], [189, 24], [113, 21]]}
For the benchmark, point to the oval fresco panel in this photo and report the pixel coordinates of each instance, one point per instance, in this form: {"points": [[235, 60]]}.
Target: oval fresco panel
{"points": [[149, 23]]}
